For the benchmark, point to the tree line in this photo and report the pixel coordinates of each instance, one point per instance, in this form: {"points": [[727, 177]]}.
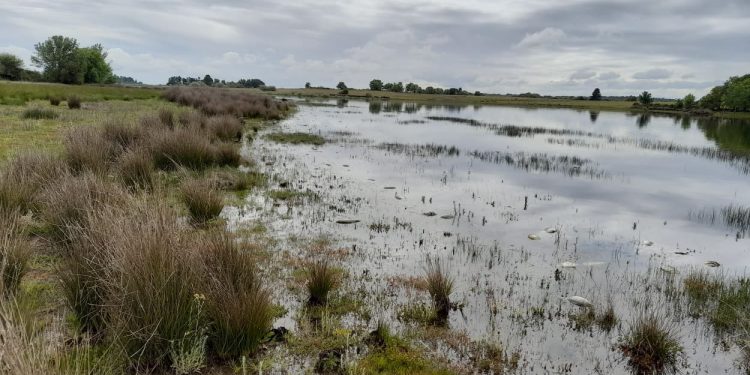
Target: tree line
{"points": [[210, 81]]}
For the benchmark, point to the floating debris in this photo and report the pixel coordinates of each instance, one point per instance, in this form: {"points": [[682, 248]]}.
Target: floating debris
{"points": [[447, 217], [430, 213], [398, 197], [347, 221], [579, 301], [681, 252], [567, 265], [593, 264], [668, 269], [534, 237], [389, 187], [647, 243], [550, 230], [713, 263]]}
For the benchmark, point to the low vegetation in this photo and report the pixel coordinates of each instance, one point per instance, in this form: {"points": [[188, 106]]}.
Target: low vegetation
{"points": [[440, 286], [39, 114], [213, 101], [322, 278], [296, 138], [652, 346]]}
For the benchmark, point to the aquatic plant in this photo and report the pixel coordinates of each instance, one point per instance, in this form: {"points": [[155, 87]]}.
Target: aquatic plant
{"points": [[440, 286], [651, 345], [321, 280], [202, 201]]}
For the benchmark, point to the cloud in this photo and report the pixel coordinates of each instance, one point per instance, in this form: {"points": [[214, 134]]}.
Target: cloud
{"points": [[608, 76], [547, 37], [582, 74], [657, 73]]}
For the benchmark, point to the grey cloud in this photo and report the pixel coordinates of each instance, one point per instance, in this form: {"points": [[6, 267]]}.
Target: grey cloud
{"points": [[582, 75], [657, 73]]}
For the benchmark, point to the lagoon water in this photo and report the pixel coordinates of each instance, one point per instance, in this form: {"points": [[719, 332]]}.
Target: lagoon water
{"points": [[626, 197]]}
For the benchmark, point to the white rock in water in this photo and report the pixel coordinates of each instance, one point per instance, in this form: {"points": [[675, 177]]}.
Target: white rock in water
{"points": [[592, 264], [647, 243], [668, 269], [579, 301], [712, 263], [568, 265], [534, 237], [551, 230]]}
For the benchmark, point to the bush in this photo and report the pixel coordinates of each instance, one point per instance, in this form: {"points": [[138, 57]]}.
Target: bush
{"points": [[651, 346], [55, 101], [15, 251], [136, 169], [202, 201], [238, 305], [87, 150], [74, 102], [39, 114], [321, 280]]}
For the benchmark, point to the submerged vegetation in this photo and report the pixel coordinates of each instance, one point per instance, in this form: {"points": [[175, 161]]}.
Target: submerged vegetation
{"points": [[297, 138]]}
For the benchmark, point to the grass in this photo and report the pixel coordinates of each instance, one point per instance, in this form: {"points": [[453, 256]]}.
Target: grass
{"points": [[23, 177], [239, 103], [398, 359], [19, 93], [321, 280], [136, 169], [440, 286], [203, 202], [297, 138], [15, 252], [74, 102], [37, 113], [651, 345]]}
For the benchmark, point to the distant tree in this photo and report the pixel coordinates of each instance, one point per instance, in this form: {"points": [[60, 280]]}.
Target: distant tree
{"points": [[307, 85], [376, 85], [59, 59], [208, 80], [395, 87], [95, 67], [175, 80], [11, 67], [129, 80], [679, 104], [344, 91], [478, 93], [713, 99], [255, 83], [341, 86], [737, 95], [429, 90], [688, 102], [412, 87], [645, 98], [596, 95]]}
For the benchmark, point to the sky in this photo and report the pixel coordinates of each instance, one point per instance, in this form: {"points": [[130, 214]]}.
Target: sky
{"points": [[553, 47]]}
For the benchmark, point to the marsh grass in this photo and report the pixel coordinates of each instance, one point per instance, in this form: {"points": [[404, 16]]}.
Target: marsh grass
{"points": [[235, 180], [87, 150], [297, 138], [225, 128], [321, 279], [440, 286], [182, 147], [700, 286], [213, 101], [136, 169], [203, 202], [37, 113], [15, 252], [651, 345], [24, 176], [74, 102], [238, 304]]}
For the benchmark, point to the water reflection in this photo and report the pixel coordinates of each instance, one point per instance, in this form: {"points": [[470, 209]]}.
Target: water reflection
{"points": [[593, 115]]}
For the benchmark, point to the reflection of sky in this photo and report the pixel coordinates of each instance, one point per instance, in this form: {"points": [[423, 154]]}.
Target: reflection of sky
{"points": [[646, 186]]}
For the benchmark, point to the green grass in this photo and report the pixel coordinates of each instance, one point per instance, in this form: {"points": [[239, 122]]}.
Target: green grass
{"points": [[37, 113], [19, 93], [297, 138], [398, 359]]}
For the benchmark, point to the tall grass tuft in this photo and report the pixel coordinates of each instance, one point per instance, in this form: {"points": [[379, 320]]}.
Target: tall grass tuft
{"points": [[651, 345], [37, 113], [15, 251], [74, 102], [440, 286], [321, 280], [122, 136], [225, 127], [227, 154], [238, 305], [23, 177], [87, 150], [166, 116], [183, 147], [213, 101], [202, 201], [54, 100], [136, 169]]}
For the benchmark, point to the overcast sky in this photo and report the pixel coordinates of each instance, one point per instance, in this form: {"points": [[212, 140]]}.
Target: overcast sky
{"points": [[669, 47]]}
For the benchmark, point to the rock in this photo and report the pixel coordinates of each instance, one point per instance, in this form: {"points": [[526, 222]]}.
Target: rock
{"points": [[579, 301], [347, 221], [534, 237], [681, 252], [430, 213], [389, 187], [447, 217], [713, 263], [550, 230]]}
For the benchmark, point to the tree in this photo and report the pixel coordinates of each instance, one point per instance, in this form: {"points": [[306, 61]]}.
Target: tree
{"points": [[645, 99], [596, 95], [208, 80], [737, 95], [688, 102], [11, 67], [95, 67], [376, 85], [307, 85], [341, 86], [712, 100], [395, 87], [412, 87], [59, 58]]}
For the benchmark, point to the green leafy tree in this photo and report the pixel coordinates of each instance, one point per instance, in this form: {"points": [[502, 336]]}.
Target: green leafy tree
{"points": [[429, 90], [376, 85], [645, 99], [208, 80], [307, 85], [59, 58], [397, 87], [341, 86], [413, 87], [596, 95], [737, 95], [688, 102], [95, 67], [11, 67], [712, 100]]}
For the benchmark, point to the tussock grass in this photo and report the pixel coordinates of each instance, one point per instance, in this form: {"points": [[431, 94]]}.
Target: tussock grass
{"points": [[121, 135], [54, 100], [212, 101], [87, 150], [297, 138], [182, 147], [238, 304], [24, 176], [440, 286], [136, 169], [700, 286], [74, 102], [651, 345], [15, 252], [321, 280], [202, 201], [225, 128], [37, 113]]}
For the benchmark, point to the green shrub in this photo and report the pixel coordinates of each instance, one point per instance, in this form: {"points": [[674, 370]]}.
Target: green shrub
{"points": [[74, 102]]}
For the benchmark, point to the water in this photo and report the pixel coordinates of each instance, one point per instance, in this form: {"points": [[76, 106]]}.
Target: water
{"points": [[626, 195]]}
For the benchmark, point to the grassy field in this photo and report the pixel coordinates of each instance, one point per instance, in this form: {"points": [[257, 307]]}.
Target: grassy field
{"points": [[19, 93], [502, 100]]}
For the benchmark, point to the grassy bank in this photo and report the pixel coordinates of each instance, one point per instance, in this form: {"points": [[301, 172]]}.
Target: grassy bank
{"points": [[19, 93], [501, 100]]}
